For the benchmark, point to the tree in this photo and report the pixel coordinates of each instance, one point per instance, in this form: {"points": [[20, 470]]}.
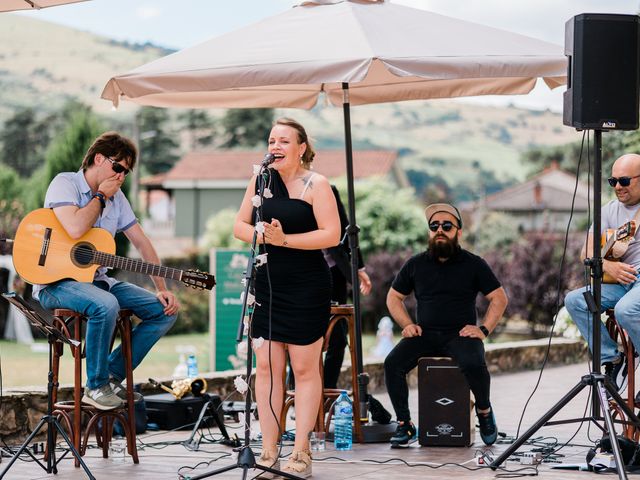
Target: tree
{"points": [[65, 153], [219, 231], [157, 146], [390, 218], [11, 208], [24, 139], [246, 127], [567, 156], [496, 231], [199, 126]]}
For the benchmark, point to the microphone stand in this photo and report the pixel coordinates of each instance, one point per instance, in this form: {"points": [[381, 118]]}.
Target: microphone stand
{"points": [[246, 458]]}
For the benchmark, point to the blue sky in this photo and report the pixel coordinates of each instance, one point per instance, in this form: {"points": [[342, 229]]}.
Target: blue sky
{"points": [[181, 23]]}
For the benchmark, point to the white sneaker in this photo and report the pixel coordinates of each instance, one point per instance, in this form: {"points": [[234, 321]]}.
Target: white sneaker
{"points": [[103, 398], [121, 391]]}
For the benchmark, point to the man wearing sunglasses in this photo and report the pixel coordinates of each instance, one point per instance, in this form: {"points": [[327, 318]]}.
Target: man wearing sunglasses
{"points": [[445, 280], [624, 295], [91, 197]]}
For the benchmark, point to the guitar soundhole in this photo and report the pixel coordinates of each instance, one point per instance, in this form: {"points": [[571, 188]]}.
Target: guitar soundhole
{"points": [[82, 254]]}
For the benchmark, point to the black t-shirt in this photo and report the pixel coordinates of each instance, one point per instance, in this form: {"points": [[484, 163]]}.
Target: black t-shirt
{"points": [[446, 291]]}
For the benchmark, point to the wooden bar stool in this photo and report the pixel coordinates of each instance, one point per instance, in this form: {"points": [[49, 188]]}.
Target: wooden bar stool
{"points": [[330, 395], [619, 335], [70, 323]]}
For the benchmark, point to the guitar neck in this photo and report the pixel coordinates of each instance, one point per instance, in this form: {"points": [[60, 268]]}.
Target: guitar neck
{"points": [[138, 266], [607, 246]]}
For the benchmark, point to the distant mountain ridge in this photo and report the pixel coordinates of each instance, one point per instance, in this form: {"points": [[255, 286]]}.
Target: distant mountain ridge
{"points": [[42, 64]]}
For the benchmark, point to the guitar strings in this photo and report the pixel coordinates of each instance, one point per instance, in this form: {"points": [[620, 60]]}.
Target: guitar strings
{"points": [[88, 256]]}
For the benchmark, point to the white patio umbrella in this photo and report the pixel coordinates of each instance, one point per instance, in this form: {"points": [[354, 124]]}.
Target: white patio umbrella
{"points": [[353, 51], [11, 5]]}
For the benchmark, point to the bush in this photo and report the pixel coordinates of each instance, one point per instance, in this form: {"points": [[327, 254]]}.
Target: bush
{"points": [[193, 316], [530, 273], [219, 231], [382, 268]]}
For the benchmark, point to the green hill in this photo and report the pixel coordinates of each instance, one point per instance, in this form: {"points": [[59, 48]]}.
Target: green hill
{"points": [[42, 64]]}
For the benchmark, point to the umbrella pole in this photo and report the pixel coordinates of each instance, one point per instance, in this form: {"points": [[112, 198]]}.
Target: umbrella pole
{"points": [[371, 432], [352, 234]]}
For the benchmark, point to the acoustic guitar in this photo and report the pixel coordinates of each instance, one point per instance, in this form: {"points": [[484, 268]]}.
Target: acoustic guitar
{"points": [[44, 253], [614, 243]]}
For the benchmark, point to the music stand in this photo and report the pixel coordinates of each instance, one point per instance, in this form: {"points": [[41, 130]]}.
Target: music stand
{"points": [[595, 379], [53, 335]]}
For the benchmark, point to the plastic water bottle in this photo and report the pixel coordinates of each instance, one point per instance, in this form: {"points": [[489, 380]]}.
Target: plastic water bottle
{"points": [[192, 366], [343, 422], [181, 369]]}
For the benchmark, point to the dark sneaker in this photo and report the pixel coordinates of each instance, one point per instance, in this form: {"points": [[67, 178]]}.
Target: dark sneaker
{"points": [[121, 391], [102, 398], [405, 435], [616, 371], [488, 427]]}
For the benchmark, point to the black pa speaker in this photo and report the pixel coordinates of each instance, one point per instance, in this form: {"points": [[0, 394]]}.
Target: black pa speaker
{"points": [[603, 73]]}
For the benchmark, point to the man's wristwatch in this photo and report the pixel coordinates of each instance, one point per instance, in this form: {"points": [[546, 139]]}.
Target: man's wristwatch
{"points": [[101, 197], [484, 330]]}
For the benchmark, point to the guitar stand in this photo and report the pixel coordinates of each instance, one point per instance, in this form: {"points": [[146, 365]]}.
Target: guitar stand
{"points": [[53, 336]]}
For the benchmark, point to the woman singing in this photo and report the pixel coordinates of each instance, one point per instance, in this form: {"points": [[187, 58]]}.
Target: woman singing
{"points": [[293, 289]]}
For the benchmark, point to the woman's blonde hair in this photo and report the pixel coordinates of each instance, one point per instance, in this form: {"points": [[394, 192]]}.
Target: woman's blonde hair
{"points": [[309, 153]]}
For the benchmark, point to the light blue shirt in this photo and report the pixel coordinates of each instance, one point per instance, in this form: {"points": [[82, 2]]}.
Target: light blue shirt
{"points": [[71, 188]]}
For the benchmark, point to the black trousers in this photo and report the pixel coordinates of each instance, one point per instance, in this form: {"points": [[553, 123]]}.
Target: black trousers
{"points": [[468, 353], [338, 340]]}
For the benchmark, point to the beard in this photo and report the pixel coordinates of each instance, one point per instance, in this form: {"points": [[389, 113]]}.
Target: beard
{"points": [[443, 247]]}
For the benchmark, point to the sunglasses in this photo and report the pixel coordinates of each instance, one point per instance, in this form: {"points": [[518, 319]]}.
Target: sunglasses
{"points": [[624, 181], [118, 168], [446, 226]]}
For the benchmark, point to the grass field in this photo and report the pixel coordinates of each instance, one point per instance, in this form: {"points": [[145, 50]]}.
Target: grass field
{"points": [[23, 365]]}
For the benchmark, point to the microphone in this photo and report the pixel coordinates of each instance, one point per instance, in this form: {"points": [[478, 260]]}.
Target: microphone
{"points": [[268, 159]]}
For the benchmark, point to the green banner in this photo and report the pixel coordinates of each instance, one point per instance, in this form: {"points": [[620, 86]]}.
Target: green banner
{"points": [[228, 266]]}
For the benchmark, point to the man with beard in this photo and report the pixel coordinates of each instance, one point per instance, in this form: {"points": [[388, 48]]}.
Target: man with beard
{"points": [[623, 295], [445, 280]]}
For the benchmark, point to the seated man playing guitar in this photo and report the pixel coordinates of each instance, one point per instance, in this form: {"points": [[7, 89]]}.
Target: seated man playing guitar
{"points": [[92, 197], [620, 288]]}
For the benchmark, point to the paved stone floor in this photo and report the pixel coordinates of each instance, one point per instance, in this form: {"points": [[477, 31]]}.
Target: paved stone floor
{"points": [[509, 395]]}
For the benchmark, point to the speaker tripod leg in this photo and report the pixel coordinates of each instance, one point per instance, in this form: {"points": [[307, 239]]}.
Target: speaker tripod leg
{"points": [[541, 422], [601, 389]]}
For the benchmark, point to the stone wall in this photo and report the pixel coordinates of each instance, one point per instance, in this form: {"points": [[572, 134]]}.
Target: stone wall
{"points": [[22, 408]]}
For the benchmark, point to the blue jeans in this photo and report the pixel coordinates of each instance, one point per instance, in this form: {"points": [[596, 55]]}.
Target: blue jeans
{"points": [[624, 299], [101, 305]]}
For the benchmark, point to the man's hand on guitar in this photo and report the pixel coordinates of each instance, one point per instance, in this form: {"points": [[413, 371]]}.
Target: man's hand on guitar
{"points": [[169, 301], [622, 272]]}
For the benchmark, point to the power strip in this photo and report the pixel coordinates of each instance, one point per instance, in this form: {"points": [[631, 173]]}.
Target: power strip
{"points": [[531, 458]]}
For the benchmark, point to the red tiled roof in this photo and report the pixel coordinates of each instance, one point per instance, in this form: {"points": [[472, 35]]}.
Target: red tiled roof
{"points": [[237, 165], [154, 180]]}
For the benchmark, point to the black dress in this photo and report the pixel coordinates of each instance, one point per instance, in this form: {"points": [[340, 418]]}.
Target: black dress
{"points": [[299, 279]]}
